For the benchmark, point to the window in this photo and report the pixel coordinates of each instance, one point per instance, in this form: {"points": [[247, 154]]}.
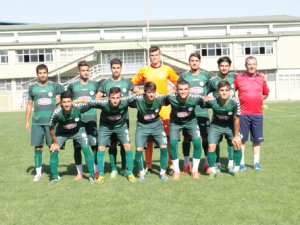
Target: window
{"points": [[175, 50], [214, 49], [5, 85], [22, 83], [255, 48], [3, 57], [34, 55], [72, 54]]}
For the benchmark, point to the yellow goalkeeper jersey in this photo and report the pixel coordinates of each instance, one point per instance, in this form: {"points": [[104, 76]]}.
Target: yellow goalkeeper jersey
{"points": [[160, 77]]}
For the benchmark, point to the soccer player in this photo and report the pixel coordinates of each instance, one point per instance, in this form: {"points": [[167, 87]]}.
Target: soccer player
{"points": [[42, 96], [183, 117], [85, 89], [224, 64], [149, 124], [252, 91], [126, 86], [198, 81], [66, 120], [113, 121], [160, 75], [225, 121]]}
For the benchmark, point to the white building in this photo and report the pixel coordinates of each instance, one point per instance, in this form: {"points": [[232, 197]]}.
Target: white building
{"points": [[273, 40]]}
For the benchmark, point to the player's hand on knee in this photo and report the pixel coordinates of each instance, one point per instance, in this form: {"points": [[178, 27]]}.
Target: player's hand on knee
{"points": [[237, 142], [54, 147]]}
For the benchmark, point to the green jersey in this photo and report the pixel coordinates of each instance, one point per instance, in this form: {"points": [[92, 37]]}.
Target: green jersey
{"points": [[44, 101], [214, 81], [223, 114], [89, 91], [148, 113], [68, 123], [112, 116], [198, 85], [124, 84], [183, 112]]}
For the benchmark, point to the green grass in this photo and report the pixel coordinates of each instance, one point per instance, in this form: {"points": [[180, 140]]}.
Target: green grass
{"points": [[271, 196]]}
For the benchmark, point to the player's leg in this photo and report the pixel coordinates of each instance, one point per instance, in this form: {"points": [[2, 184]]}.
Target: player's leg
{"points": [[214, 135], [81, 138], [78, 160], [233, 167], [256, 133], [244, 131], [92, 135], [141, 136], [148, 154], [174, 137], [112, 151], [194, 132], [37, 137], [203, 124], [186, 146]]}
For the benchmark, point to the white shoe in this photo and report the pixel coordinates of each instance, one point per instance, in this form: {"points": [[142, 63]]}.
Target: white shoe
{"points": [[113, 174], [37, 178]]}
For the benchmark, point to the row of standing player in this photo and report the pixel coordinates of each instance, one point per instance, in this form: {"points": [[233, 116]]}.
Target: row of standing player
{"points": [[157, 73]]}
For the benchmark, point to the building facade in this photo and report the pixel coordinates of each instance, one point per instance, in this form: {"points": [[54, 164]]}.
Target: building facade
{"points": [[273, 40]]}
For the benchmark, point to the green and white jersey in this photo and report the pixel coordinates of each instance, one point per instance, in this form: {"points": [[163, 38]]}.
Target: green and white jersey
{"points": [[68, 123], [44, 100], [214, 81], [148, 113], [88, 90], [198, 85], [223, 114], [183, 112], [124, 84], [112, 116]]}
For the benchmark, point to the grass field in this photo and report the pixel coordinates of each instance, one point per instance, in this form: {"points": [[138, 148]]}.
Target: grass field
{"points": [[271, 196]]}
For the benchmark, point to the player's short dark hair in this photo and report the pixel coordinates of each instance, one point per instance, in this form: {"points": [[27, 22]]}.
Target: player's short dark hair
{"points": [[66, 94], [154, 48], [115, 61], [149, 86], [114, 90], [182, 82], [195, 55], [41, 67], [223, 83], [83, 63], [224, 59]]}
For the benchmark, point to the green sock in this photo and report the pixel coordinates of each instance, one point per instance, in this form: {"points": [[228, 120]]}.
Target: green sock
{"points": [[54, 164], [129, 161], [163, 158], [101, 160], [205, 147], [89, 159], [173, 149], [112, 153], [38, 157], [211, 158], [95, 150], [139, 160], [237, 156], [186, 146], [123, 158], [197, 148], [230, 152], [218, 153]]}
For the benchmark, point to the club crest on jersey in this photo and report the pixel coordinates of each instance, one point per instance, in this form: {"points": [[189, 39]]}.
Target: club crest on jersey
{"points": [[92, 92], [50, 94], [84, 135], [156, 110], [232, 85], [201, 83], [190, 109], [229, 113], [44, 101], [124, 90], [76, 119]]}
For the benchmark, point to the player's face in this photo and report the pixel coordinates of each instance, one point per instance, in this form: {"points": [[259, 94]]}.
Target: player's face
{"points": [[116, 70], [251, 66], [155, 58], [42, 75], [224, 92], [115, 99], [150, 95], [84, 72], [183, 90], [66, 104], [224, 68], [194, 63]]}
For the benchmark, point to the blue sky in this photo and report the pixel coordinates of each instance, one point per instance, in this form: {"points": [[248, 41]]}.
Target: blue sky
{"points": [[76, 11]]}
